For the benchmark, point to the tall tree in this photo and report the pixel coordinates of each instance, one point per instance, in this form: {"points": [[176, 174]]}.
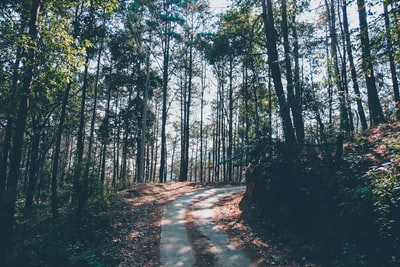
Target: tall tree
{"points": [[288, 64], [10, 195], [194, 18], [374, 104], [298, 119], [353, 71], [10, 97], [166, 41], [187, 94], [71, 68], [170, 18], [388, 34], [79, 183], [273, 62], [344, 116]]}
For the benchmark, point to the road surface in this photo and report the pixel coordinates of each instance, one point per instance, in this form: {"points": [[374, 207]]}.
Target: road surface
{"points": [[195, 209]]}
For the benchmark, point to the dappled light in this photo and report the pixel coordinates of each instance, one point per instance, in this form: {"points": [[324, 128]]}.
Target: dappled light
{"points": [[127, 127], [191, 224]]}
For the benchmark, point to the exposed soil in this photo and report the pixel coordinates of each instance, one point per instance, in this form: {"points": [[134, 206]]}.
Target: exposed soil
{"points": [[137, 224], [262, 241], [136, 229], [137, 212]]}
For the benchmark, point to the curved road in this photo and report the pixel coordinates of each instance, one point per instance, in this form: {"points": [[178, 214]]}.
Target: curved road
{"points": [[176, 249]]}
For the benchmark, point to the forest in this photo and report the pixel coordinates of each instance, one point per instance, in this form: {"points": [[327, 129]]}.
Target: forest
{"points": [[97, 96]]}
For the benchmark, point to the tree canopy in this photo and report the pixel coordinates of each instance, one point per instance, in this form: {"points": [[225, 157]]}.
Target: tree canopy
{"points": [[97, 95]]}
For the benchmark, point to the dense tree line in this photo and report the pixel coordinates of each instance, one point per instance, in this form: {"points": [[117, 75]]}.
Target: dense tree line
{"points": [[97, 95]]}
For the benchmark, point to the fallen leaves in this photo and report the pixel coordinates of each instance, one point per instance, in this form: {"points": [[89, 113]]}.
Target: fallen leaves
{"points": [[250, 230], [136, 225]]}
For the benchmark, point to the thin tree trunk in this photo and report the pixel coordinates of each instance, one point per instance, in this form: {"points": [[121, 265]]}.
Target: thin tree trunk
{"points": [[155, 147], [288, 65], [94, 109], [298, 119], [33, 167], [4, 160], [230, 123], [184, 114], [166, 48], [116, 142], [330, 87], [392, 64], [174, 143], [344, 118], [189, 103], [256, 104], [56, 157], [125, 144], [203, 85], [222, 132], [77, 185], [246, 101], [183, 87], [353, 71], [344, 75], [141, 163]]}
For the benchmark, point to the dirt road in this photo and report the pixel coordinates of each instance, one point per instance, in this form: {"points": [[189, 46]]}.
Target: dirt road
{"points": [[190, 237]]}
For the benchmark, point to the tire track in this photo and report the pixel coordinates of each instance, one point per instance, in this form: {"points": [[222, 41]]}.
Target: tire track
{"points": [[190, 237]]}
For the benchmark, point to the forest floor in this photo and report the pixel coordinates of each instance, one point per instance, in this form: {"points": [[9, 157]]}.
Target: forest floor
{"points": [[125, 230], [136, 228]]}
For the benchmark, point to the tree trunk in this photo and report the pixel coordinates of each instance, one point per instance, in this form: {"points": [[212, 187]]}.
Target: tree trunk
{"points": [[392, 64], [105, 141], [166, 48], [298, 120], [4, 160], [10, 124], [353, 71], [229, 152], [188, 106], [56, 157], [273, 62], [155, 146], [375, 108], [203, 85], [125, 143], [77, 195], [183, 171], [116, 141], [33, 167], [94, 109], [10, 194], [330, 87], [141, 163], [344, 116], [288, 65]]}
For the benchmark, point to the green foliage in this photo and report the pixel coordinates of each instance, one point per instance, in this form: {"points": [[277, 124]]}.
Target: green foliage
{"points": [[107, 5], [386, 188]]}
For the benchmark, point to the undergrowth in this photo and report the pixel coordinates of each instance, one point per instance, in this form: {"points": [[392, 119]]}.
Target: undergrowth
{"points": [[347, 211], [67, 240]]}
